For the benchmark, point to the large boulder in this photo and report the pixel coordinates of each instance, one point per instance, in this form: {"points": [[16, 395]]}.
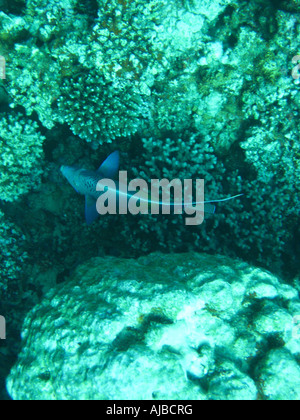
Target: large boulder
{"points": [[177, 326]]}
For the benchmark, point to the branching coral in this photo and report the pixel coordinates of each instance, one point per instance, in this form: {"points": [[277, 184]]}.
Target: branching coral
{"points": [[99, 110], [188, 158], [259, 226]]}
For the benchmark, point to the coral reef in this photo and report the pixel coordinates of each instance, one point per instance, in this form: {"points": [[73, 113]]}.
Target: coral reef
{"points": [[21, 155], [128, 71], [99, 110], [184, 89], [186, 326], [12, 259], [162, 80], [270, 205]]}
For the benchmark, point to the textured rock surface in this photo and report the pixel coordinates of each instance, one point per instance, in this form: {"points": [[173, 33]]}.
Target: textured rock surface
{"points": [[21, 156], [12, 249], [178, 326]]}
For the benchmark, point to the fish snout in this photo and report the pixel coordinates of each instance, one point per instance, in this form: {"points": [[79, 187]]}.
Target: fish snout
{"points": [[63, 169]]}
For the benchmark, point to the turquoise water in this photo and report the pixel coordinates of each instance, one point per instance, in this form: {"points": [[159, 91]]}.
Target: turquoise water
{"points": [[184, 90]]}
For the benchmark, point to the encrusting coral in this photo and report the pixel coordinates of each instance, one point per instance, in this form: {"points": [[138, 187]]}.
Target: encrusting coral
{"points": [[174, 326], [12, 259], [21, 155]]}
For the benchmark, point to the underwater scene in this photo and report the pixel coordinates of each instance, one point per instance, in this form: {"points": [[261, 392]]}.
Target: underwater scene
{"points": [[149, 200]]}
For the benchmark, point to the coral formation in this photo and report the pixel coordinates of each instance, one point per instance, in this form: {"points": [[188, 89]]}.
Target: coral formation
{"points": [[131, 70], [21, 155], [99, 110], [186, 326], [12, 259]]}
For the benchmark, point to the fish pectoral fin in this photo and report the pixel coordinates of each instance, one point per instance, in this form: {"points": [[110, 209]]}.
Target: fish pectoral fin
{"points": [[91, 213], [110, 166], [209, 208]]}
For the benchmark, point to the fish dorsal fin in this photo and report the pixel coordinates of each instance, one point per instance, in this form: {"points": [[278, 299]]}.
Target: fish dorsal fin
{"points": [[110, 166], [91, 213]]}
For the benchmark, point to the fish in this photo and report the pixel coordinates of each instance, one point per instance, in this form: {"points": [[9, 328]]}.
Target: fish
{"points": [[86, 182]]}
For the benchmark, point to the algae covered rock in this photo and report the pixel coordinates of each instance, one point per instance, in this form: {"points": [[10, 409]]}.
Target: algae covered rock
{"points": [[177, 326], [21, 155]]}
